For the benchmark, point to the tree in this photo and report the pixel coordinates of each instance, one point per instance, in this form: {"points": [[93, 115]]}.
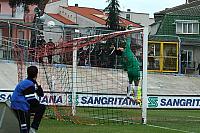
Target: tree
{"points": [[113, 24], [113, 14], [41, 3], [14, 3]]}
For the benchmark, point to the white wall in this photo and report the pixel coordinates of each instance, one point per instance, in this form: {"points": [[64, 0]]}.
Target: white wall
{"points": [[80, 20], [141, 18], [154, 29], [58, 28], [54, 7]]}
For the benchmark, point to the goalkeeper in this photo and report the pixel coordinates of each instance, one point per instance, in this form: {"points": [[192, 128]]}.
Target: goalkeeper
{"points": [[131, 65]]}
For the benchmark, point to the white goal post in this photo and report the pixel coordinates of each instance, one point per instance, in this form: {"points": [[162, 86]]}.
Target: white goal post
{"points": [[111, 35]]}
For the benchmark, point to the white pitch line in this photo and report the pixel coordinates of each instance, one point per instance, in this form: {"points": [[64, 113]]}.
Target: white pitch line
{"points": [[167, 128], [193, 117]]}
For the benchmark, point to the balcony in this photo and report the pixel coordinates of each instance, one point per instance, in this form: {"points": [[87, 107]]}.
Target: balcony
{"points": [[7, 13]]}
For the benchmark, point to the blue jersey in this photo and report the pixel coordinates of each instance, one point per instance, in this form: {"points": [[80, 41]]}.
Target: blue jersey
{"points": [[19, 101]]}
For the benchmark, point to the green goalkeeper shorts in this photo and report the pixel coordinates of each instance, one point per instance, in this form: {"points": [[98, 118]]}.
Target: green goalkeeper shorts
{"points": [[133, 74]]}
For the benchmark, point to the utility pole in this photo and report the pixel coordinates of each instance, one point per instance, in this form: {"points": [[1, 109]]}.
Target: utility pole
{"points": [[38, 25]]}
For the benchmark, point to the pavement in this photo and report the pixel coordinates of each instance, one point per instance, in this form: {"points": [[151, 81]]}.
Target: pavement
{"points": [[100, 80], [8, 75], [8, 121], [173, 84]]}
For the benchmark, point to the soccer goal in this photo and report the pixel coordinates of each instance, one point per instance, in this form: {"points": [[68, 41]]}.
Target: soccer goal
{"points": [[84, 81]]}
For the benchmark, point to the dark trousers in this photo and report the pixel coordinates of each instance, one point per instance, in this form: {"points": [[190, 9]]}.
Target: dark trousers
{"points": [[24, 117], [40, 59], [49, 59]]}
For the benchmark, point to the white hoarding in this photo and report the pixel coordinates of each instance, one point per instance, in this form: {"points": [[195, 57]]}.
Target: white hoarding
{"points": [[48, 99], [103, 100], [116, 101], [177, 102]]}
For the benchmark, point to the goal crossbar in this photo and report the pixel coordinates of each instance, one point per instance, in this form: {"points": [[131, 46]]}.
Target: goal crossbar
{"points": [[80, 42]]}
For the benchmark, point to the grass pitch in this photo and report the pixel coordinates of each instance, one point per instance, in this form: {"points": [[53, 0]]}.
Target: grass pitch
{"points": [[53, 126], [159, 121]]}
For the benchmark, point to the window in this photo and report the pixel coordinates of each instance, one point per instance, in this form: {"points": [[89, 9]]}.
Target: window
{"points": [[153, 56], [187, 58], [154, 49], [196, 28], [21, 35], [68, 35], [128, 16], [187, 27]]}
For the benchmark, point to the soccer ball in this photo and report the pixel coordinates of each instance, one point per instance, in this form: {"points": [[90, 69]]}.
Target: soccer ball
{"points": [[51, 24], [129, 27]]}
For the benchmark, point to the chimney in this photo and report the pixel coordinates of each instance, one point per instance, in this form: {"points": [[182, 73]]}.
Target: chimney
{"points": [[64, 2], [128, 10], [76, 5]]}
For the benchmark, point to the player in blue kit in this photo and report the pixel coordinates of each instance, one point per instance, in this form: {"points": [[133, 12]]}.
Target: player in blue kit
{"points": [[24, 102]]}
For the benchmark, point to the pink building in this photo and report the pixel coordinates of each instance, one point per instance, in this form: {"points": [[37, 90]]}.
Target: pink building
{"points": [[10, 16], [12, 26]]}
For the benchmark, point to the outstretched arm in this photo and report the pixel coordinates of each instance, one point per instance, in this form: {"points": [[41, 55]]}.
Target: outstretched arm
{"points": [[128, 43]]}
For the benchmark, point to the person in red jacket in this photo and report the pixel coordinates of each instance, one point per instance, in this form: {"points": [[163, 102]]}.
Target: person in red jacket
{"points": [[50, 47]]}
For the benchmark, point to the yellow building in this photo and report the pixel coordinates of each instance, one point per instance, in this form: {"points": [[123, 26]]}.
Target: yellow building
{"points": [[162, 56]]}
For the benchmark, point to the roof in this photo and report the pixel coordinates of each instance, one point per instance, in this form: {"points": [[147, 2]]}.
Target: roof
{"points": [[61, 19], [180, 7], [184, 40], [125, 22], [88, 13], [53, 1], [98, 15], [193, 11]]}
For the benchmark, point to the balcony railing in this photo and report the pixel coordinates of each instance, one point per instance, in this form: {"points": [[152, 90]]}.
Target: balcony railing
{"points": [[7, 47]]}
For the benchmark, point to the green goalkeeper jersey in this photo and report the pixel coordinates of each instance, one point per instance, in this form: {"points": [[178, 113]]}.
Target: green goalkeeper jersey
{"points": [[128, 59]]}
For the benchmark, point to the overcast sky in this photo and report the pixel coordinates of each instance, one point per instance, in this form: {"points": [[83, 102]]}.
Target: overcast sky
{"points": [[140, 6]]}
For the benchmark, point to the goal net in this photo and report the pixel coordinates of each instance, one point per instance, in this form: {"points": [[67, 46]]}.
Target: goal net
{"points": [[83, 78]]}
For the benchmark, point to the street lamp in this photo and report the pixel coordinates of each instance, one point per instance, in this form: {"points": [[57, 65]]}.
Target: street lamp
{"points": [[39, 20]]}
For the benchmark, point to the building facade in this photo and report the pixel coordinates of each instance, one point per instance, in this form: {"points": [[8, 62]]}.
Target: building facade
{"points": [[140, 18], [11, 30], [87, 20], [180, 25]]}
